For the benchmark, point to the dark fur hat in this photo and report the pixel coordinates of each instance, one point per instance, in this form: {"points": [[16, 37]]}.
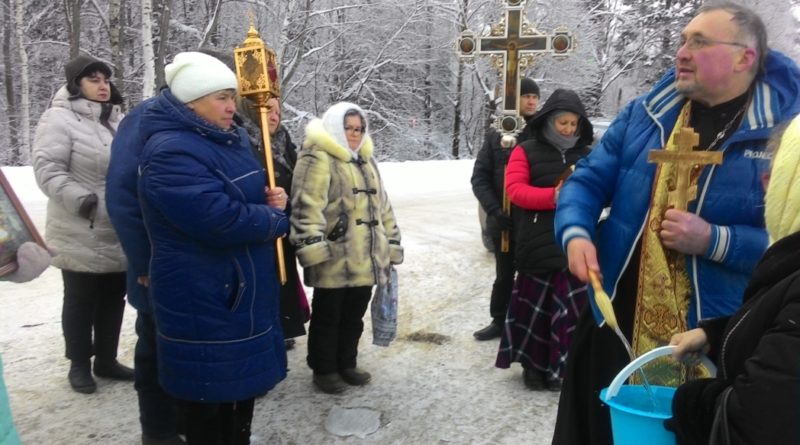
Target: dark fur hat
{"points": [[83, 66]]}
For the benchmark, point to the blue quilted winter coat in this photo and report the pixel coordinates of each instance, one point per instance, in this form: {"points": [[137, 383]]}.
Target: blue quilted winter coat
{"points": [[212, 272], [124, 209]]}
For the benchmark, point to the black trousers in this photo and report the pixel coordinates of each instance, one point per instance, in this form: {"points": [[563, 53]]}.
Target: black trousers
{"points": [[219, 423], [503, 282], [292, 316], [157, 409], [93, 304], [595, 357], [336, 326]]}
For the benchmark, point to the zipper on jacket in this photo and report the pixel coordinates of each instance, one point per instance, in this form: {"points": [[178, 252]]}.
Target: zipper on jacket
{"points": [[240, 287], [254, 285], [725, 345]]}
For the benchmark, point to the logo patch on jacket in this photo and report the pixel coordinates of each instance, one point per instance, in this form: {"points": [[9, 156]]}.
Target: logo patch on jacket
{"points": [[757, 154]]}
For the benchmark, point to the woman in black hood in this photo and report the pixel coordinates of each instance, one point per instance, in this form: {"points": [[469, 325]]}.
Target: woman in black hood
{"points": [[546, 299]]}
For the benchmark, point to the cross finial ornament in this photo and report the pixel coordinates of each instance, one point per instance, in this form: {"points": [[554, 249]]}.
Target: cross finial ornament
{"points": [[685, 159], [252, 17], [513, 39]]}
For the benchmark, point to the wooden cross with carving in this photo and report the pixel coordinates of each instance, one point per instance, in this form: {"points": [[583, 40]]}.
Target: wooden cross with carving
{"points": [[685, 159]]}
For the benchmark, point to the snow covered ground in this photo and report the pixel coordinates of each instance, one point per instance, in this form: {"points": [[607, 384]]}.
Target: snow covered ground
{"points": [[425, 392]]}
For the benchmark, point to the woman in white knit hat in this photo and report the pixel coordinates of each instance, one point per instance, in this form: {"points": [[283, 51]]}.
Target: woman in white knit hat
{"points": [[755, 397], [212, 229]]}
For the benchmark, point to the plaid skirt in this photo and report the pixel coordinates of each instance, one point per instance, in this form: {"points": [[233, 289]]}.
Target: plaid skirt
{"points": [[541, 317]]}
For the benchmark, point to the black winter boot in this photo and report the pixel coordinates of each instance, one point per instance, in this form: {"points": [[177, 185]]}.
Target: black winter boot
{"points": [[533, 379], [355, 376], [80, 377], [330, 383], [494, 330], [112, 369]]}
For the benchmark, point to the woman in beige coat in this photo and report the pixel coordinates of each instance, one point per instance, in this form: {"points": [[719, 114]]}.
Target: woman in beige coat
{"points": [[346, 237], [70, 158]]}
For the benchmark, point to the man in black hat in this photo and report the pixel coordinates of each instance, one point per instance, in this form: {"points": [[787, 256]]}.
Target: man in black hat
{"points": [[487, 184]]}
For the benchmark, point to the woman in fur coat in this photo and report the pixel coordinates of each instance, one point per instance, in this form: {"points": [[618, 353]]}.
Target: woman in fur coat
{"points": [[346, 237]]}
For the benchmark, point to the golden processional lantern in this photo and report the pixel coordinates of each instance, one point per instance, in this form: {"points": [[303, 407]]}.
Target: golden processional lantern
{"points": [[256, 68], [257, 72]]}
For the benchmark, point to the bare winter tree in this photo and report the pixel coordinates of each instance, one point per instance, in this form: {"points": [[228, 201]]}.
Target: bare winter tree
{"points": [[163, 11], [116, 37], [461, 26], [24, 82], [148, 55], [782, 24], [72, 14], [7, 19]]}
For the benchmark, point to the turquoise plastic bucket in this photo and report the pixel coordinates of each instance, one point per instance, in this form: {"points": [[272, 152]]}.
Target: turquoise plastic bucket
{"points": [[635, 419]]}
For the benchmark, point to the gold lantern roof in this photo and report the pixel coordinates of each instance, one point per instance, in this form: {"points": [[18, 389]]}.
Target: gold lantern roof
{"points": [[256, 68]]}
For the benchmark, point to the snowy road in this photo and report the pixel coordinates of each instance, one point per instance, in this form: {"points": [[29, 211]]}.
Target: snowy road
{"points": [[426, 393]]}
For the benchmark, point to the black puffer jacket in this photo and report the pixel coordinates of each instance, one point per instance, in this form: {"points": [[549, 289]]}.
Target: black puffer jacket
{"points": [[758, 356], [536, 249], [487, 174]]}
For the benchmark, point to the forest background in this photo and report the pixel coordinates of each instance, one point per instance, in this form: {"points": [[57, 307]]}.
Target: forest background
{"points": [[395, 58]]}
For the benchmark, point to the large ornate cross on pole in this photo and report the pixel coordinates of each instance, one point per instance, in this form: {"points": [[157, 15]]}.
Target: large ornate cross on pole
{"points": [[685, 159], [515, 41]]}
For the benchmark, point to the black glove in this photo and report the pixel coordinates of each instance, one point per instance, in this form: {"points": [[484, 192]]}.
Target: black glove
{"points": [[503, 221], [88, 206]]}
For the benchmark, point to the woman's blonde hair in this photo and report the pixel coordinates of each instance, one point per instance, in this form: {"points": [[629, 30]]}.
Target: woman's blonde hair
{"points": [[782, 213]]}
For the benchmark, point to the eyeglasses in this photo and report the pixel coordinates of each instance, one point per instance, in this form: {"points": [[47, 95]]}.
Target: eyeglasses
{"points": [[699, 42], [356, 130]]}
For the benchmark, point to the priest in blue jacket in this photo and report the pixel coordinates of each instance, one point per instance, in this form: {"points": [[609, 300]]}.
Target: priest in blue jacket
{"points": [[666, 269]]}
